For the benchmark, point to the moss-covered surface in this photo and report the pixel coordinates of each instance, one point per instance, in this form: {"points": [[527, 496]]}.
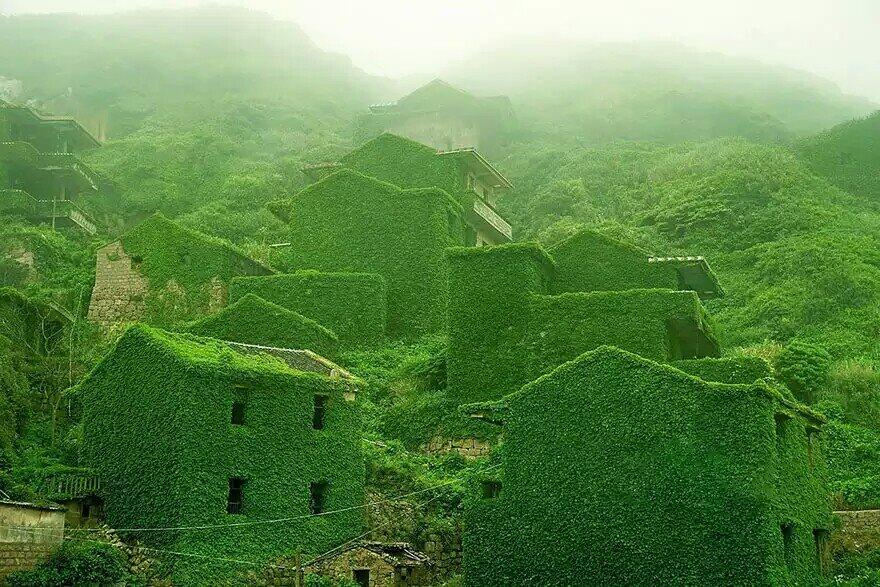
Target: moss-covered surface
{"points": [[253, 320], [740, 369], [407, 164], [489, 293], [504, 330], [657, 324], [183, 267], [157, 429], [618, 470], [352, 223], [353, 305]]}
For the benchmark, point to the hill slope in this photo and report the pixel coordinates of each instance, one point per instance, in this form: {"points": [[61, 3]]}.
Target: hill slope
{"points": [[848, 155], [125, 65], [662, 92]]}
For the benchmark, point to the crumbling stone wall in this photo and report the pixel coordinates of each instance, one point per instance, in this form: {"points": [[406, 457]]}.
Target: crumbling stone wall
{"points": [[469, 448], [341, 567], [21, 556], [858, 530], [120, 290]]}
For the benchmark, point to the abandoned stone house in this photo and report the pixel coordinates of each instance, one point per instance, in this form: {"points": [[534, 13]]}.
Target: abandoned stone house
{"points": [[244, 437], [376, 564], [391, 208], [444, 117], [40, 176], [517, 311], [164, 273], [686, 481]]}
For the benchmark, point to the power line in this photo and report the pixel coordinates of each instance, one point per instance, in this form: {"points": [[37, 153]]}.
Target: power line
{"points": [[283, 520]]}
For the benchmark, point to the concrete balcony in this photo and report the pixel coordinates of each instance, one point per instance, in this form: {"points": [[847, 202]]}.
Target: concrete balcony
{"points": [[490, 218], [15, 201]]}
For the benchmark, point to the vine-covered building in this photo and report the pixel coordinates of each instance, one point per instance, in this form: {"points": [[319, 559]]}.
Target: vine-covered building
{"points": [[633, 454], [445, 117], [618, 470], [517, 311], [187, 431], [40, 176], [164, 273]]}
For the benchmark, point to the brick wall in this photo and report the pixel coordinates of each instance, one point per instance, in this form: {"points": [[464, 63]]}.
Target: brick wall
{"points": [[20, 556]]}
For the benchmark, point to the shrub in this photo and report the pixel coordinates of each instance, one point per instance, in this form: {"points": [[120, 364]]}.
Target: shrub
{"points": [[75, 563], [855, 386]]}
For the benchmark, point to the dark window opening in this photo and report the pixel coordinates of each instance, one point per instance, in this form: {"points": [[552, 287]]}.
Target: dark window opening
{"points": [[820, 540], [780, 419], [234, 498], [86, 510], [788, 543], [136, 261], [238, 412], [361, 577], [317, 495], [491, 489], [318, 414]]}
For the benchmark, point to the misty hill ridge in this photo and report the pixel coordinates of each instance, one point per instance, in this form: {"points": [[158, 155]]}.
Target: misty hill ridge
{"points": [[655, 91]]}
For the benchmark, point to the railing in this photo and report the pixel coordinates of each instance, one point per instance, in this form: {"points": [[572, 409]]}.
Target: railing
{"points": [[12, 200], [74, 485], [489, 215]]}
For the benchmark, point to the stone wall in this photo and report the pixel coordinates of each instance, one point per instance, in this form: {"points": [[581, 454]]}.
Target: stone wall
{"points": [[858, 529], [21, 556], [400, 521], [120, 290], [342, 567], [469, 448]]}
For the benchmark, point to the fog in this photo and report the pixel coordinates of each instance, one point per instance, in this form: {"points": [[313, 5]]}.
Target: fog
{"points": [[397, 38]]}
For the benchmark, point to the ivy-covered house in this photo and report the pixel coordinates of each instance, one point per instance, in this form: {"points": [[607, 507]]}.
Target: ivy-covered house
{"points": [[619, 470], [189, 432], [445, 117], [517, 311], [464, 174], [164, 273], [391, 208], [41, 178]]}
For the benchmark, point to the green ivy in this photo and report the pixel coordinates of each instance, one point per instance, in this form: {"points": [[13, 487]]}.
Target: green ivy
{"points": [[167, 254], [253, 320], [620, 471], [352, 223], [353, 305], [157, 429]]}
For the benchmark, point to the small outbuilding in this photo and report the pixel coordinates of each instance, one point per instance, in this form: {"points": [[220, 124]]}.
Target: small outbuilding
{"points": [[376, 564]]}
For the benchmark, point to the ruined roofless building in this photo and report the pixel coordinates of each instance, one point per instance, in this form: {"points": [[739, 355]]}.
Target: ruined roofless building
{"points": [[444, 117], [40, 176], [163, 273], [188, 431]]}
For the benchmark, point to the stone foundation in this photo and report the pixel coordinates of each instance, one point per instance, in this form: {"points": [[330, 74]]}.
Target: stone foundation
{"points": [[858, 529], [21, 556]]}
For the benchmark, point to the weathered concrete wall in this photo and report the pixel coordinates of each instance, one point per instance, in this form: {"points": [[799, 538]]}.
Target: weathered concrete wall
{"points": [[21, 556], [120, 290], [21, 522], [439, 130]]}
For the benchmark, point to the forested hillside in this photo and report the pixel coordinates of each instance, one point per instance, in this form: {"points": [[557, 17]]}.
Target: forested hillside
{"points": [[593, 93], [772, 174]]}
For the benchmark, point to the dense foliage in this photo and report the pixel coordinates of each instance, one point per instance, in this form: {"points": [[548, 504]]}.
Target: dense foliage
{"points": [[253, 320], [161, 404], [591, 491], [75, 563], [352, 305]]}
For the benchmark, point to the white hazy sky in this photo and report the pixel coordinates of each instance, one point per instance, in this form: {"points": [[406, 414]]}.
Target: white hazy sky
{"points": [[839, 39]]}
